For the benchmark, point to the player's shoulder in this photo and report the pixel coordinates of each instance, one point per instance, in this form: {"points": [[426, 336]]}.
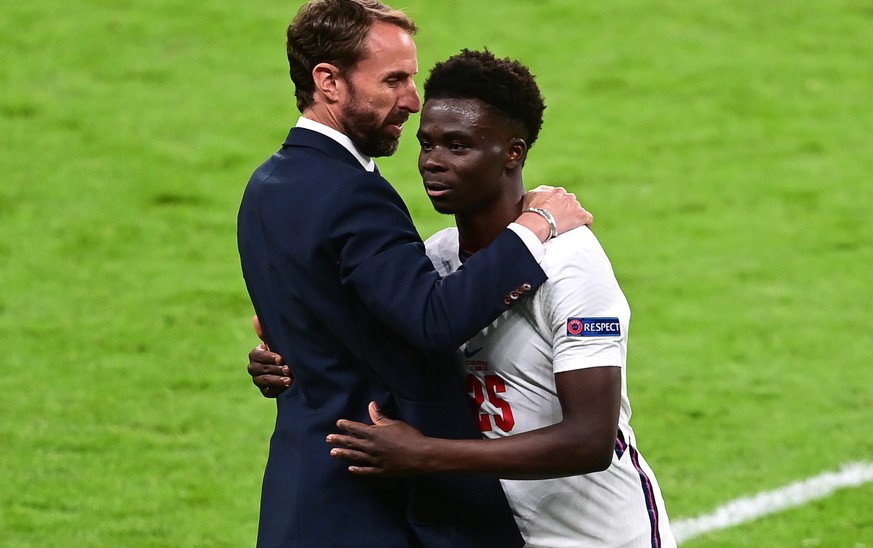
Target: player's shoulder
{"points": [[575, 251], [573, 242]]}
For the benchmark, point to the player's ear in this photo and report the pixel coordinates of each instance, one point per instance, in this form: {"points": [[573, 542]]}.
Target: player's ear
{"points": [[517, 153], [328, 82]]}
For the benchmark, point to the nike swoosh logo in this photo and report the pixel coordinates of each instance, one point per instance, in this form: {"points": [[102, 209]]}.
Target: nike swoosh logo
{"points": [[470, 353]]}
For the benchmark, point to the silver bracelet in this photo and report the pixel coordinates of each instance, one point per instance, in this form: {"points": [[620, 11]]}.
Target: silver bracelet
{"points": [[545, 214]]}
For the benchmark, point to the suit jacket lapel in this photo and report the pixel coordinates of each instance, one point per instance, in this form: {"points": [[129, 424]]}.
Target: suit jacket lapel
{"points": [[303, 137]]}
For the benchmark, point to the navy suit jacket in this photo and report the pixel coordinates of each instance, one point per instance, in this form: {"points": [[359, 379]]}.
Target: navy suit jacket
{"points": [[339, 278]]}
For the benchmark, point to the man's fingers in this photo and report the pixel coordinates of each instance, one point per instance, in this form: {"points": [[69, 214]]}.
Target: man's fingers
{"points": [[272, 385], [350, 454], [379, 418], [376, 415], [257, 368], [366, 470], [364, 464], [358, 429], [278, 382], [544, 187], [269, 373], [262, 354], [256, 322], [345, 442]]}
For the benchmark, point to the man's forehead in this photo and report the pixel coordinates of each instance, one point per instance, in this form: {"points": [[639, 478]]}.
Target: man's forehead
{"points": [[385, 39]]}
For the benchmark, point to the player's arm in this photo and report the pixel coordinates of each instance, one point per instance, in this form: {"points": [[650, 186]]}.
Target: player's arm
{"points": [[581, 443], [382, 259]]}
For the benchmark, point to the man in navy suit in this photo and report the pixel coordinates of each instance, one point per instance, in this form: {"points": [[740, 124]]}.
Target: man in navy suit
{"points": [[339, 279]]}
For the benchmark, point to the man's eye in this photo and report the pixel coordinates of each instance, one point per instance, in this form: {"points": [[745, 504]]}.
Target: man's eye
{"points": [[424, 145], [457, 147]]}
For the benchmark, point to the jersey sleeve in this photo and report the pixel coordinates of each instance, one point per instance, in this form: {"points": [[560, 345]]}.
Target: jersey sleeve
{"points": [[586, 312]]}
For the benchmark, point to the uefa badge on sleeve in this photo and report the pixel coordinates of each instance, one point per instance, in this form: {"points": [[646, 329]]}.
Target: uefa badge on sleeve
{"points": [[593, 327]]}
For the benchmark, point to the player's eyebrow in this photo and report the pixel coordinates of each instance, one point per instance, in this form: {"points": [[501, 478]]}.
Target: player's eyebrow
{"points": [[457, 134]]}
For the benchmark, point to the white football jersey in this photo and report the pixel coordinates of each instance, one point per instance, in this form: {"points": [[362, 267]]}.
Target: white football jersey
{"points": [[578, 318]]}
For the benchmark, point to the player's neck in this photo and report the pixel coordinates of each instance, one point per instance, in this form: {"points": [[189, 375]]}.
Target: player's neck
{"points": [[479, 228]]}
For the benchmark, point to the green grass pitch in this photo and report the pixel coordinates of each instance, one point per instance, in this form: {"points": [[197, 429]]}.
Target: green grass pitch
{"points": [[723, 146]]}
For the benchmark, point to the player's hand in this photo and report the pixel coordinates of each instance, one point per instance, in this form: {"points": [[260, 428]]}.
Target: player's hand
{"points": [[387, 447], [268, 370], [563, 206]]}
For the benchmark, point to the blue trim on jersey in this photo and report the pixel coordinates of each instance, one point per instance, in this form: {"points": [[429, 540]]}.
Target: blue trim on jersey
{"points": [[648, 488], [620, 445]]}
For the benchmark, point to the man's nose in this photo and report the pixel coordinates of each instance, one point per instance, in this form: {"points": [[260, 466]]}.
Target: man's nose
{"points": [[410, 101]]}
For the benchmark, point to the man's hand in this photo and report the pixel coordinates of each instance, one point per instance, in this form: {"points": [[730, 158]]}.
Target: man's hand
{"points": [[388, 447], [268, 370], [563, 206]]}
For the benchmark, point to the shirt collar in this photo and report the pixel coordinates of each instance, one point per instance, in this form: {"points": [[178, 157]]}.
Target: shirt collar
{"points": [[340, 138]]}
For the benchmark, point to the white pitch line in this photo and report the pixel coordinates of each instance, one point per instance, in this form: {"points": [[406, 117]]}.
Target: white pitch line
{"points": [[745, 509]]}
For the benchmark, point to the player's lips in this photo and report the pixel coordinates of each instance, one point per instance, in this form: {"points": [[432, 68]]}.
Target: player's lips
{"points": [[435, 189]]}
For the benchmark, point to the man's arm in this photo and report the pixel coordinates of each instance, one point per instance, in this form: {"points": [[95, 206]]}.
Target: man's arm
{"points": [[382, 259], [268, 370], [582, 442]]}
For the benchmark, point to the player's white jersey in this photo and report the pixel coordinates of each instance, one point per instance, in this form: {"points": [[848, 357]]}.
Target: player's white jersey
{"points": [[578, 318]]}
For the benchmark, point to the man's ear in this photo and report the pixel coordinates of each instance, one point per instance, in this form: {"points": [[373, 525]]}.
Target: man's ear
{"points": [[517, 154], [327, 81]]}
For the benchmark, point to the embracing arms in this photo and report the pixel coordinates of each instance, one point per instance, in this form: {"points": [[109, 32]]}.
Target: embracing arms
{"points": [[582, 442]]}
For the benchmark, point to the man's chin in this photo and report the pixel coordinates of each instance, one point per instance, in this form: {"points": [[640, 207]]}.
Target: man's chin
{"points": [[380, 148], [387, 148]]}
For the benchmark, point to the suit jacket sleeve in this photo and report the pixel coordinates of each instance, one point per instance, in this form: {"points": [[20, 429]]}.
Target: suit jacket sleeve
{"points": [[382, 258]]}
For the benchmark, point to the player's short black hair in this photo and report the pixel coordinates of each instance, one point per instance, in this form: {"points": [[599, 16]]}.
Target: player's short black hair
{"points": [[504, 84]]}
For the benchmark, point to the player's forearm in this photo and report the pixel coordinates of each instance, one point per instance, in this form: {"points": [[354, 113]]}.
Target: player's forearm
{"points": [[553, 451]]}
